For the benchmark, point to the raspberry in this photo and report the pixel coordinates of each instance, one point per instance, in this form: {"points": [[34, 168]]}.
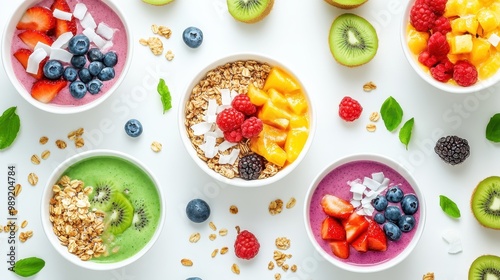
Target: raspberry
{"points": [[229, 119], [233, 136], [251, 127], [427, 59], [437, 45], [349, 109], [422, 17], [464, 73], [437, 6], [246, 245], [443, 71], [242, 103], [441, 25]]}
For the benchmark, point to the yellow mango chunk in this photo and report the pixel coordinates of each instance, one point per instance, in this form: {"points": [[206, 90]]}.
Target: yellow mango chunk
{"points": [[472, 7], [480, 51], [281, 81], [458, 26], [487, 19], [297, 102], [299, 121], [471, 24], [266, 117], [270, 150], [489, 67], [270, 111], [460, 44], [257, 96], [455, 8], [295, 142], [277, 99], [274, 134], [417, 41]]}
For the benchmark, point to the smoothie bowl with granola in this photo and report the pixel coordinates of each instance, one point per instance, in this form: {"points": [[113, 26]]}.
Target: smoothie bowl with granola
{"points": [[246, 120]]}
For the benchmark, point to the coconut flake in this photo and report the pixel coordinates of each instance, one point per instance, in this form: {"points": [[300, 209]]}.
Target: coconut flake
{"points": [[88, 21], [99, 41], [450, 236], [105, 31], [370, 183], [455, 247], [45, 47], [224, 159], [79, 11], [225, 95], [357, 196], [201, 128], [209, 145], [59, 14], [233, 155], [357, 188], [90, 33], [494, 39], [34, 60], [211, 112], [225, 145], [61, 55], [355, 203], [378, 176], [62, 40], [233, 94], [218, 133]]}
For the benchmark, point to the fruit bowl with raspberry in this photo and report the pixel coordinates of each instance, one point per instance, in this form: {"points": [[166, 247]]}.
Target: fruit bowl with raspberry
{"points": [[452, 46], [246, 120], [364, 213]]}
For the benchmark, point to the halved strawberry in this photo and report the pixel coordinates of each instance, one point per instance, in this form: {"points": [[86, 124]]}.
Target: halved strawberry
{"points": [[360, 244], [332, 229], [31, 37], [45, 90], [37, 18], [63, 26], [336, 207], [60, 5], [354, 226], [377, 241], [340, 249], [22, 55]]}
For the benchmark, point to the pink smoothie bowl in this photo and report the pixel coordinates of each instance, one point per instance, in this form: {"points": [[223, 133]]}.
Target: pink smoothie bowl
{"points": [[337, 179], [92, 16]]}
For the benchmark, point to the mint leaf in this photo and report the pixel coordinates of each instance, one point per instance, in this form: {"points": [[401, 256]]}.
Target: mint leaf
{"points": [[9, 127], [493, 129], [449, 207], [164, 92], [391, 113], [405, 132], [29, 266]]}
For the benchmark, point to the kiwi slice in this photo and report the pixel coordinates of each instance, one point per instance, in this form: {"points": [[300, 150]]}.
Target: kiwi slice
{"points": [[141, 217], [485, 267], [120, 214], [157, 2], [249, 11], [101, 195], [346, 4], [353, 40], [485, 202]]}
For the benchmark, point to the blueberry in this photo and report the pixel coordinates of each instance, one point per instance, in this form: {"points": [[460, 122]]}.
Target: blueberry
{"points": [[392, 213], [78, 61], [193, 278], [392, 231], [133, 128], [84, 75], [95, 67], [379, 218], [106, 74], [193, 37], [94, 86], [79, 44], [406, 223], [95, 54], [409, 204], [379, 203], [53, 69], [197, 210], [70, 74], [77, 89], [394, 194], [110, 59]]}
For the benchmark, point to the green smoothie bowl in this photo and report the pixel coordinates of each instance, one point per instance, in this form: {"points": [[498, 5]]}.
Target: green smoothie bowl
{"points": [[102, 209]]}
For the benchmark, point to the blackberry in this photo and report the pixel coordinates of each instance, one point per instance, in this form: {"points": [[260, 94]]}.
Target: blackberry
{"points": [[452, 149], [250, 166]]}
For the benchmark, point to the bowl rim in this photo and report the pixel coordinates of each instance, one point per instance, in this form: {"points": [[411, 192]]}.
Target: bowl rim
{"points": [[48, 107], [200, 73], [398, 168], [47, 224], [447, 87]]}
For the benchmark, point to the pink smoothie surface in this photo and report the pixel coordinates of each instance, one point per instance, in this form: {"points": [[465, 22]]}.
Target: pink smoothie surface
{"points": [[101, 13], [335, 183]]}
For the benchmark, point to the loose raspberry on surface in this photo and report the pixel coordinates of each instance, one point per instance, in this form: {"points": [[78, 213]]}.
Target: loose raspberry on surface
{"points": [[464, 73], [229, 119], [251, 127], [233, 136], [246, 245], [443, 71], [349, 109], [422, 17], [242, 103], [437, 45], [441, 25], [427, 59]]}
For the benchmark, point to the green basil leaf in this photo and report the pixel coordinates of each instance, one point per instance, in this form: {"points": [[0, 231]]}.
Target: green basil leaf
{"points": [[493, 128], [166, 98], [449, 207], [391, 113], [29, 266], [9, 127], [405, 132]]}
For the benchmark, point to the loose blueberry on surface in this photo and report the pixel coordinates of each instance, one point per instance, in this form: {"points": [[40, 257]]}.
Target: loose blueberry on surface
{"points": [[392, 213], [95, 54], [70, 74], [78, 61], [192, 36], [394, 194], [133, 128], [392, 231], [110, 59], [379, 203], [95, 67], [409, 204], [77, 89], [79, 44], [106, 74], [406, 223], [379, 218], [84, 75], [53, 69], [94, 86], [197, 210]]}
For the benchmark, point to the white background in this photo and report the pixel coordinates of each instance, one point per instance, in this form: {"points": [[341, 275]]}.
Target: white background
{"points": [[296, 33]]}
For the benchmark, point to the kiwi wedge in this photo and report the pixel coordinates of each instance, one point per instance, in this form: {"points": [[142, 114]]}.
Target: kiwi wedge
{"points": [[157, 2], [485, 267], [141, 217], [249, 11], [120, 214], [485, 202], [346, 4], [101, 195], [353, 40]]}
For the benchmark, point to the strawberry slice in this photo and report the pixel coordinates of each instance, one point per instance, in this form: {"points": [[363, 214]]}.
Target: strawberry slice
{"points": [[354, 226], [340, 249], [377, 241], [60, 5], [22, 55], [37, 18], [45, 90], [336, 207], [31, 37], [360, 244], [63, 26], [332, 229]]}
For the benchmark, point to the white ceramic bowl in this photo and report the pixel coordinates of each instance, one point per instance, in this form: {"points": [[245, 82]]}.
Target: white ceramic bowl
{"points": [[342, 168], [193, 153], [8, 60], [422, 71], [48, 194]]}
